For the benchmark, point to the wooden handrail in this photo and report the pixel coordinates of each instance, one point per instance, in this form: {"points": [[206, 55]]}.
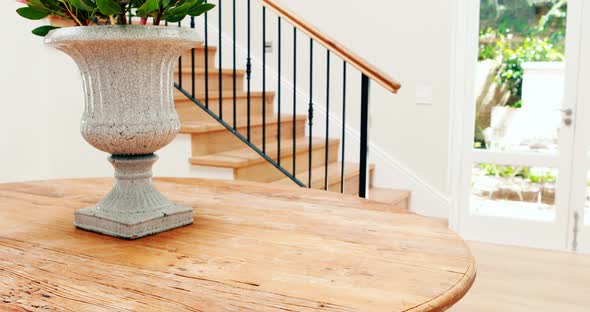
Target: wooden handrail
{"points": [[335, 47]]}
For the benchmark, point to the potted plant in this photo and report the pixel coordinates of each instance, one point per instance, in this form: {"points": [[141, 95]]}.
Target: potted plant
{"points": [[127, 73]]}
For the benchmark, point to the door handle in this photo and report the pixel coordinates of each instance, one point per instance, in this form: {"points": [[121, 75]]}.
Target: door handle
{"points": [[567, 115], [567, 111]]}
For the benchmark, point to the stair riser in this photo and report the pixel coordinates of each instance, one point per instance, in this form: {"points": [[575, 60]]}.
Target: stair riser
{"points": [[402, 205], [265, 172], [227, 81], [199, 59], [221, 141], [189, 112]]}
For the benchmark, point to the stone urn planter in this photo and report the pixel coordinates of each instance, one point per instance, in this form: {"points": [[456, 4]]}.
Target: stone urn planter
{"points": [[127, 74]]}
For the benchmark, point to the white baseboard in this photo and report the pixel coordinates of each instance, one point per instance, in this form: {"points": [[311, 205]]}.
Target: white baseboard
{"points": [[390, 173]]}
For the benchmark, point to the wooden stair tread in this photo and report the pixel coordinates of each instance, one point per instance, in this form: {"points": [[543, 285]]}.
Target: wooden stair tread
{"points": [[388, 196], [255, 121], [229, 95], [247, 156], [318, 174]]}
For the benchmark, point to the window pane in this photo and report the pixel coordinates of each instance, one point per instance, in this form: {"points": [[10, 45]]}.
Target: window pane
{"points": [[514, 192], [520, 75]]}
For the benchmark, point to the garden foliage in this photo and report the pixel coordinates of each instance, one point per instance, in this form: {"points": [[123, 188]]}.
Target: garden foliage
{"points": [[517, 31]]}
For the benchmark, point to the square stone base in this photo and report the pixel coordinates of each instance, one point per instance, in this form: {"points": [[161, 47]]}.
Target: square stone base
{"points": [[133, 226]]}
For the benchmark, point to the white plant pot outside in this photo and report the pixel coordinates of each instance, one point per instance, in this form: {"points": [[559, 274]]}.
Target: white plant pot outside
{"points": [[127, 74]]}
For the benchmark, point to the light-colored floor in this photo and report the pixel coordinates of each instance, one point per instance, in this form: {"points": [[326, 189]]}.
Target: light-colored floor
{"points": [[521, 279]]}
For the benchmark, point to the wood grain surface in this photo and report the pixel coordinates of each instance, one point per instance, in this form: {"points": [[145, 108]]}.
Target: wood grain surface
{"points": [[253, 247]]}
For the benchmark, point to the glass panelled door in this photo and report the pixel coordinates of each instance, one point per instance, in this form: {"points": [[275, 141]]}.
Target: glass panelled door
{"points": [[518, 172]]}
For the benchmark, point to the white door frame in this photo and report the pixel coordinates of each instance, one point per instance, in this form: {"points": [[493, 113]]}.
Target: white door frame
{"points": [[465, 26], [579, 233], [464, 46]]}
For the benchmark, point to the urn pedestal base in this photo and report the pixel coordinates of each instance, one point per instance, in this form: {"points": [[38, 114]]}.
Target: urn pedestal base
{"points": [[133, 208]]}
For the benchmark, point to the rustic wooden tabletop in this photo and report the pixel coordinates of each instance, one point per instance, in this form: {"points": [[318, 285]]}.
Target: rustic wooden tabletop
{"points": [[253, 247]]}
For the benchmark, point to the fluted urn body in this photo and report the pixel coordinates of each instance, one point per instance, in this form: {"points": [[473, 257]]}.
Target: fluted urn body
{"points": [[127, 73]]}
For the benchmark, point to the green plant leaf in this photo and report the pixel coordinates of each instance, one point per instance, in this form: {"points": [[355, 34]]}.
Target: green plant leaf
{"points": [[32, 13], [174, 18], [148, 7], [43, 30], [36, 4], [188, 4], [200, 9], [84, 5], [49, 5], [198, 3], [108, 7], [167, 4], [181, 8]]}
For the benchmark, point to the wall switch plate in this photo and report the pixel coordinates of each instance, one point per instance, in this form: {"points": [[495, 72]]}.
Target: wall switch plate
{"points": [[424, 94], [268, 47]]}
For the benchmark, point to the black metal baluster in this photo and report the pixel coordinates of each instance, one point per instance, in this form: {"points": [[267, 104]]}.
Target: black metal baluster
{"points": [[180, 67], [310, 110], [206, 60], [294, 100], [327, 119], [234, 73], [219, 67], [365, 84], [263, 79], [193, 62], [249, 68], [343, 126], [279, 96]]}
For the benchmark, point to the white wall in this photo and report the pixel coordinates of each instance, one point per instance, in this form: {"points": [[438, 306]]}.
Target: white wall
{"points": [[23, 144], [410, 40]]}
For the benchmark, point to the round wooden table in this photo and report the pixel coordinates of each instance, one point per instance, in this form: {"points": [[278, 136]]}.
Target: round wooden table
{"points": [[253, 247]]}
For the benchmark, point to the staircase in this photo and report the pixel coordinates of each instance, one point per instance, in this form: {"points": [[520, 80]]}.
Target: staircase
{"points": [[214, 146], [236, 128]]}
